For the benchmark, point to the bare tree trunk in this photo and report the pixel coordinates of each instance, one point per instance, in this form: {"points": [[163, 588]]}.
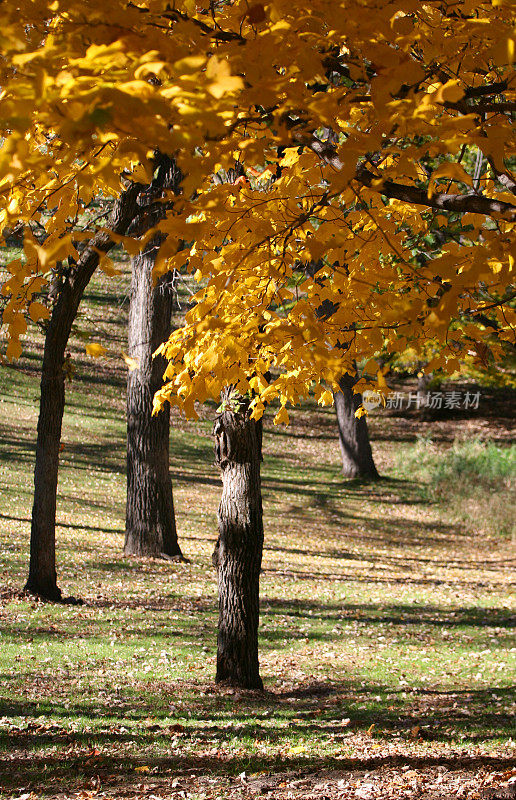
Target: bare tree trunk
{"points": [[42, 578], [238, 553], [423, 382], [357, 456], [150, 520], [150, 528]]}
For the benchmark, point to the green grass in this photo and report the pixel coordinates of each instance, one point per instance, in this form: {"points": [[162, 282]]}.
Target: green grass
{"points": [[385, 621]]}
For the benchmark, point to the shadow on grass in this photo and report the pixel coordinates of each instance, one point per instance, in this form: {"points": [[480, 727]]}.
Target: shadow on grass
{"points": [[392, 614], [310, 621], [72, 773], [221, 722], [85, 527], [381, 560], [403, 580]]}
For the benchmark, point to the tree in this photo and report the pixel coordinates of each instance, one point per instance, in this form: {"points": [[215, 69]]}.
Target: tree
{"points": [[150, 528], [150, 519], [355, 447], [149, 490], [370, 163], [238, 552], [356, 121], [72, 281]]}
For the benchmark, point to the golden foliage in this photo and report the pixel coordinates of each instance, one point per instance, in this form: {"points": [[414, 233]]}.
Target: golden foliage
{"points": [[378, 208]]}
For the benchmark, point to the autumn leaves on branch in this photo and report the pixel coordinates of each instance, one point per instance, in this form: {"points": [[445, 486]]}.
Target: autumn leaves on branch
{"points": [[375, 139]]}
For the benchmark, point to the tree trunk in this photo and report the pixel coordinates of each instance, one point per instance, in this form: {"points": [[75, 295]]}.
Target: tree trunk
{"points": [[357, 456], [238, 553], [42, 569], [42, 578], [423, 382], [150, 519]]}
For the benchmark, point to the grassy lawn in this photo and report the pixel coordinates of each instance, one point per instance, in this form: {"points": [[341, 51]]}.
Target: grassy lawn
{"points": [[386, 624]]}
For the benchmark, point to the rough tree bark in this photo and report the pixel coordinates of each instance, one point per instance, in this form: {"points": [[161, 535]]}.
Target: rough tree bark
{"points": [[355, 447], [238, 553], [150, 520], [150, 528], [42, 578]]}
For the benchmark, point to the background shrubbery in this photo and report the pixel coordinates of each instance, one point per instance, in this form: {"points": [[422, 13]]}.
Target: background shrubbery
{"points": [[475, 479]]}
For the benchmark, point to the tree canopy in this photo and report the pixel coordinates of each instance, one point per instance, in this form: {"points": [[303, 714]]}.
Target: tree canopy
{"points": [[375, 205]]}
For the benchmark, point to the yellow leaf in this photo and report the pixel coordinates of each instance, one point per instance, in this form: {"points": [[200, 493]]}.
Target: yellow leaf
{"points": [[222, 80], [107, 266], [449, 92], [382, 385], [258, 410], [95, 350], [142, 769], [190, 64], [228, 84], [132, 246], [190, 6], [54, 251], [38, 311], [282, 417], [18, 325], [326, 398], [450, 169], [300, 748], [291, 157], [258, 383], [14, 349], [217, 68], [153, 67], [132, 363]]}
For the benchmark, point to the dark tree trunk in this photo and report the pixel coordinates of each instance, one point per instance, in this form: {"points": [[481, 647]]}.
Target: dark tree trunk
{"points": [[150, 528], [42, 569], [238, 553], [42, 578], [357, 456], [150, 521]]}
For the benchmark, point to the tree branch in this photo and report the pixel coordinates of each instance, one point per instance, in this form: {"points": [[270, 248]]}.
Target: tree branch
{"points": [[468, 203]]}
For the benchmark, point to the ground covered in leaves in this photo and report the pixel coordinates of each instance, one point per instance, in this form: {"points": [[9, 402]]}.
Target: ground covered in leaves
{"points": [[385, 637]]}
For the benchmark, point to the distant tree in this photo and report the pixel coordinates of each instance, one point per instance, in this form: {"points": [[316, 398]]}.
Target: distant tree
{"points": [[355, 446]]}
